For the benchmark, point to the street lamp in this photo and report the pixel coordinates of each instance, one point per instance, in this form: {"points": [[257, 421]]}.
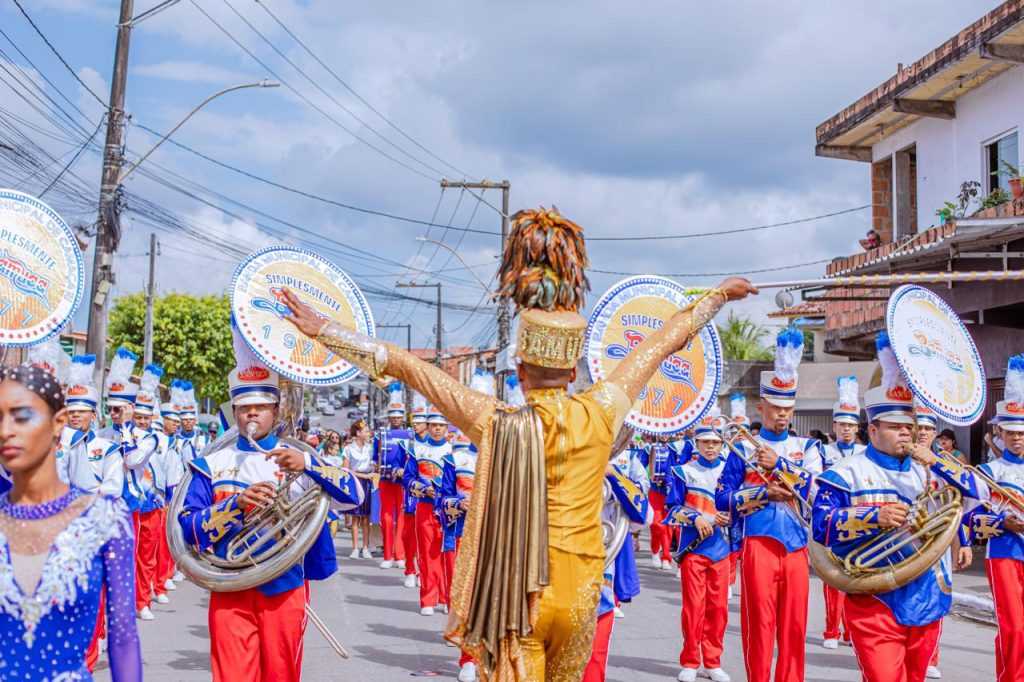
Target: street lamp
{"points": [[414, 285]]}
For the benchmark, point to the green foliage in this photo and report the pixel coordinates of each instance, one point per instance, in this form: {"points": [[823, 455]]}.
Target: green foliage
{"points": [[191, 337], [742, 339], [997, 197]]}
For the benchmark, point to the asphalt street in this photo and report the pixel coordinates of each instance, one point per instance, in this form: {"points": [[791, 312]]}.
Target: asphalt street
{"points": [[378, 620]]}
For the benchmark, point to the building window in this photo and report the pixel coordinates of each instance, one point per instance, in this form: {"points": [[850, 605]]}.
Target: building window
{"points": [[998, 154]]}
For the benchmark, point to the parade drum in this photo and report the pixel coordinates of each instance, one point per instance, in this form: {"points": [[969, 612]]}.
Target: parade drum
{"points": [[42, 276], [686, 384], [936, 354], [259, 309]]}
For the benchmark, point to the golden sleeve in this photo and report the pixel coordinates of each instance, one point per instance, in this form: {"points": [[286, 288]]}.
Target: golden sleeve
{"points": [[633, 373], [464, 407]]}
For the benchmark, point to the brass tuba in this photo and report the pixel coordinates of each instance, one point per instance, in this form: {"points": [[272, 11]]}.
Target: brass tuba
{"points": [[614, 522], [273, 539]]}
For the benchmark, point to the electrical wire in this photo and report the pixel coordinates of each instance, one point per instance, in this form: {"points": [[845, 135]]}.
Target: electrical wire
{"points": [[793, 266], [74, 158]]}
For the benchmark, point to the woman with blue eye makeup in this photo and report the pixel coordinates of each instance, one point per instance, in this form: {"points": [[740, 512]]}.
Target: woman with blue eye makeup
{"points": [[60, 548]]}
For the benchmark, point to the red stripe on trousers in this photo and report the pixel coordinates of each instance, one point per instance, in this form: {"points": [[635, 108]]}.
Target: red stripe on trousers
{"points": [[391, 497], [164, 560], [92, 654], [886, 650], [660, 538], [407, 529], [734, 560], [147, 546], [597, 666], [773, 606], [1006, 578], [835, 616], [255, 637], [705, 612], [428, 552]]}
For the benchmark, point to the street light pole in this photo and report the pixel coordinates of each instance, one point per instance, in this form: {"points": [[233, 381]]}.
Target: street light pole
{"points": [[440, 331]]}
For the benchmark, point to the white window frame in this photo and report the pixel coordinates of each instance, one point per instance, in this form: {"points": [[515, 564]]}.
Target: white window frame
{"points": [[985, 144]]}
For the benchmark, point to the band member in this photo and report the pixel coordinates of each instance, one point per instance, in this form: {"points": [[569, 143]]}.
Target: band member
{"points": [[87, 461], [120, 392], [738, 414], [193, 440], [845, 422], [1001, 522], [760, 483], [548, 613], [419, 428], [255, 633], [927, 430], [704, 556], [659, 461], [389, 452], [627, 478], [456, 490], [46, 638], [894, 633], [148, 482], [424, 472], [626, 578], [174, 471]]}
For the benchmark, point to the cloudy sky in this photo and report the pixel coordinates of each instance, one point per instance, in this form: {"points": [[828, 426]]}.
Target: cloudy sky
{"points": [[656, 118]]}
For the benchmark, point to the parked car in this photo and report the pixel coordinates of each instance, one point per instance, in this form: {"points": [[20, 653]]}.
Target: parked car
{"points": [[355, 414], [328, 410]]}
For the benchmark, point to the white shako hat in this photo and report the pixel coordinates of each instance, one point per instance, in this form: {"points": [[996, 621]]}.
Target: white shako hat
{"points": [[892, 401], [396, 400], [82, 393], [847, 409], [779, 386], [434, 416], [419, 408], [483, 382], [147, 400], [119, 387], [707, 428], [250, 382], [924, 415], [1010, 410], [46, 355], [738, 409]]}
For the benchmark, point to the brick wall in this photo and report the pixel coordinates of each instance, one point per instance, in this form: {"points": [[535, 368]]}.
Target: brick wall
{"points": [[881, 198]]}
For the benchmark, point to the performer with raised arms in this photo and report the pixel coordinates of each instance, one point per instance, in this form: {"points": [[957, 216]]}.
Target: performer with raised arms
{"points": [[546, 461], [894, 632], [774, 537]]}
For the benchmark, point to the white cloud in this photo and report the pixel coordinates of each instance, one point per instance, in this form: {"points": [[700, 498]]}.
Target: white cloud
{"points": [[193, 72]]}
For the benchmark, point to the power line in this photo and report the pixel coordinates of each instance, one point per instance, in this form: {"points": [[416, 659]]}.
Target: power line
{"points": [[73, 159], [793, 266]]}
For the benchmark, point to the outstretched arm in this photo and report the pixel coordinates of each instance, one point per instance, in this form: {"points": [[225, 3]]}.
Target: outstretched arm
{"points": [[467, 409], [633, 373]]}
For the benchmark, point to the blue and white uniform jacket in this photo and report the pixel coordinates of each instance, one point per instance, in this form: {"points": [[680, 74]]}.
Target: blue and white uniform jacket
{"points": [[629, 493], [424, 471], [89, 462], [984, 524], [170, 464], [834, 453], [211, 515], [409, 501], [392, 459], [691, 495], [456, 486], [846, 507], [682, 451], [191, 445], [742, 492], [137, 449]]}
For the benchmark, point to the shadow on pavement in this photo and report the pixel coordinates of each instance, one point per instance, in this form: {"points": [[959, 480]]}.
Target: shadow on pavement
{"points": [[430, 636], [403, 605], [410, 663], [190, 659]]}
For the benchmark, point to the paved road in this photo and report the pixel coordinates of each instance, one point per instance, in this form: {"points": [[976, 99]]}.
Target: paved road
{"points": [[378, 621]]}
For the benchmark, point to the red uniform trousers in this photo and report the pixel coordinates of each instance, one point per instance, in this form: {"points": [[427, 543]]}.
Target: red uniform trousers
{"points": [[255, 637], [164, 560], [835, 616], [705, 612], [734, 560], [407, 531], [92, 654], [886, 650], [934, 662], [597, 666], [428, 552], [391, 497], [773, 606], [1006, 578], [661, 540], [147, 546]]}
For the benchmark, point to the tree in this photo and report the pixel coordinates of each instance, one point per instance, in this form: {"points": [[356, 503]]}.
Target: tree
{"points": [[743, 339], [191, 337]]}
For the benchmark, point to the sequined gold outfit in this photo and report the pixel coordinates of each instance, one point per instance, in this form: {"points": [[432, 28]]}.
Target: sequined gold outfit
{"points": [[578, 431]]}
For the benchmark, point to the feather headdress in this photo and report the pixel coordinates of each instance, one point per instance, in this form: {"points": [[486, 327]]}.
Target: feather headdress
{"points": [[46, 356], [514, 391], [482, 381], [737, 406], [789, 350], [892, 375], [150, 382], [544, 263], [849, 391], [1014, 391], [81, 371]]}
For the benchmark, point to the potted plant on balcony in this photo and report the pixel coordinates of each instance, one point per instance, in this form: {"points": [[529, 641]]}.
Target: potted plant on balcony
{"points": [[1015, 179], [997, 197], [946, 213]]}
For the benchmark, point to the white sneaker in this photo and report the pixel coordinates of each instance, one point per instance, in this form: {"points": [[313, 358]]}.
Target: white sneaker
{"points": [[418, 583], [427, 611], [163, 599], [830, 644], [387, 564], [933, 673], [354, 554], [367, 554], [410, 580], [169, 585], [178, 576], [718, 675], [442, 608], [400, 564], [730, 593], [687, 675], [656, 560], [668, 566], [619, 613], [468, 673], [679, 572], [146, 614]]}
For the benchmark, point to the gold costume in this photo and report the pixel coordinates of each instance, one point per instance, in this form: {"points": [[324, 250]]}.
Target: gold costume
{"points": [[577, 434]]}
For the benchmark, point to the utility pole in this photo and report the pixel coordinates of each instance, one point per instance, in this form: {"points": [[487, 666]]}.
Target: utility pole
{"points": [[108, 227], [440, 330], [147, 354], [408, 332]]}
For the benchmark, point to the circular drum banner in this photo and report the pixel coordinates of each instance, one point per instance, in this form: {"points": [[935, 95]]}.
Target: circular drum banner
{"points": [[42, 276], [937, 355], [259, 310], [686, 384]]}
